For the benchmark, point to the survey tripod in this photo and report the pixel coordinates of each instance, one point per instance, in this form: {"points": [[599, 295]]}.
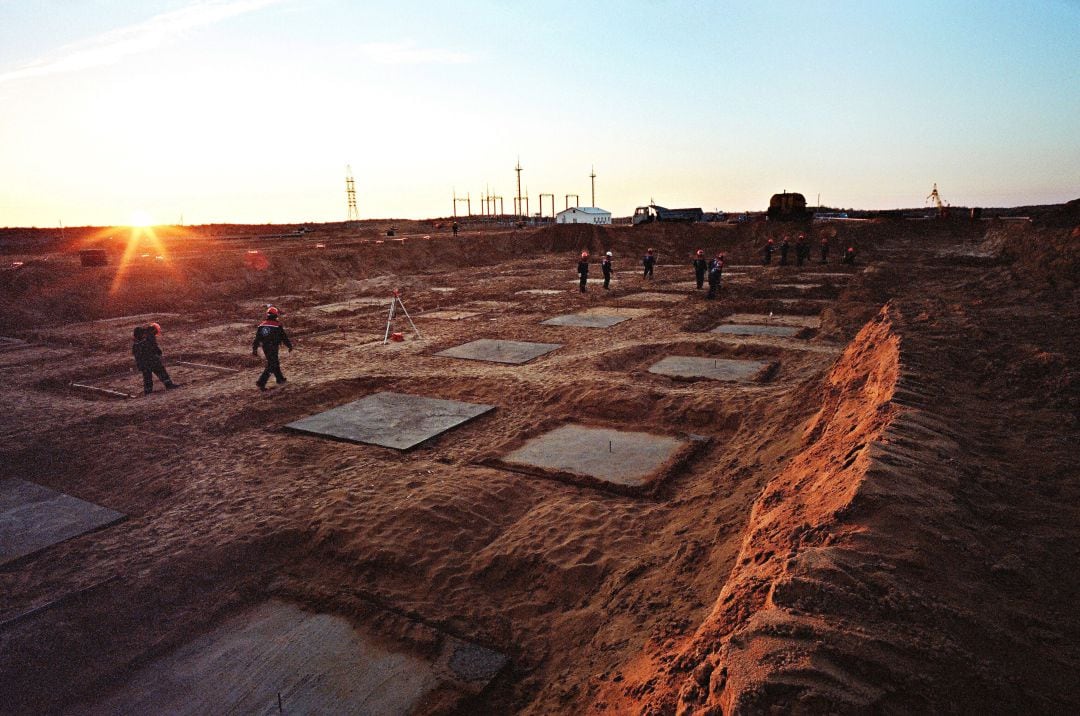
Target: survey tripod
{"points": [[395, 302]]}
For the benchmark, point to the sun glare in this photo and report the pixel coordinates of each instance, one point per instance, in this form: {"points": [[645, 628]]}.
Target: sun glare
{"points": [[141, 219]]}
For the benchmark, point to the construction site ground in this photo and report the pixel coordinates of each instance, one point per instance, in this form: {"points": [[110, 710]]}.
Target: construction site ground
{"points": [[884, 517]]}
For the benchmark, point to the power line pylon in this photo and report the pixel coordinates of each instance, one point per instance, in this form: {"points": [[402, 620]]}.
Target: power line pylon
{"points": [[350, 195], [592, 177]]}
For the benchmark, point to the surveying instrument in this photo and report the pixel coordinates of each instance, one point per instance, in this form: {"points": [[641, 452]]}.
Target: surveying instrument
{"points": [[395, 302]]}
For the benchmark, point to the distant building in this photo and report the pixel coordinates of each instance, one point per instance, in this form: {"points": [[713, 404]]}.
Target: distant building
{"points": [[583, 215]]}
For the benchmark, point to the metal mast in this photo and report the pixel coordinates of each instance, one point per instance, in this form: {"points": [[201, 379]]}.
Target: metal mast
{"points": [[350, 195], [592, 177], [517, 169]]}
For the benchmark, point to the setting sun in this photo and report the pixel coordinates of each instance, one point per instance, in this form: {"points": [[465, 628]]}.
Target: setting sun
{"points": [[141, 219]]}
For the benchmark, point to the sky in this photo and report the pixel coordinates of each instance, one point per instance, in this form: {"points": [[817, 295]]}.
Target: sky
{"points": [[249, 111]]}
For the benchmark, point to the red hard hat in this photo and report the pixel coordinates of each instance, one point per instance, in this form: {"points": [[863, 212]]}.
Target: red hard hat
{"points": [[271, 311], [584, 254], [156, 328], [649, 251], [700, 252], [770, 241]]}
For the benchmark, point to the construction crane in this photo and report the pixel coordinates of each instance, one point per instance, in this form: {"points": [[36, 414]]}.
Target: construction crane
{"points": [[935, 198]]}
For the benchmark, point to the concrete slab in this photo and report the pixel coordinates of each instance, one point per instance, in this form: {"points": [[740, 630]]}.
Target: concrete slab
{"points": [[354, 304], [750, 329], [496, 351], [491, 305], [394, 420], [618, 311], [33, 517], [596, 281], [713, 368], [652, 297], [621, 459], [443, 289], [584, 320], [449, 315], [766, 319], [539, 292], [797, 286], [277, 655]]}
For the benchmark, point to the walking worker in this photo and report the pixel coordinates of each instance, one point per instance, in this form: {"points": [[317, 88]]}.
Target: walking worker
{"points": [[715, 269], [455, 228], [824, 249], [768, 252], [785, 244], [270, 335], [700, 267], [802, 249], [648, 262], [583, 271], [605, 266], [148, 357], [849, 256]]}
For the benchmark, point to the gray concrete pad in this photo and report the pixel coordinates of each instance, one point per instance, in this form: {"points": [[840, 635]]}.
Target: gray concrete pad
{"points": [[776, 320], [539, 292], [33, 517], [750, 329], [314, 663], [498, 351], [797, 286], [449, 315], [596, 281], [621, 458], [354, 304], [712, 368], [443, 289], [652, 297], [583, 320], [394, 420]]}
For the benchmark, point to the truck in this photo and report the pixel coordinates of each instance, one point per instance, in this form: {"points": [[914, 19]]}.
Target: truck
{"points": [[652, 212]]}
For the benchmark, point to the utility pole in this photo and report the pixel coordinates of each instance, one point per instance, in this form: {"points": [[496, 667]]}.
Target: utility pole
{"points": [[592, 177], [517, 169]]}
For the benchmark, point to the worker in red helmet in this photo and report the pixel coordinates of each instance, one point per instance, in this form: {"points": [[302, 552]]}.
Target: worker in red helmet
{"points": [[583, 272], [700, 267], [785, 244], [849, 256], [270, 335], [768, 252], [648, 262], [824, 249], [802, 249], [715, 269], [148, 360]]}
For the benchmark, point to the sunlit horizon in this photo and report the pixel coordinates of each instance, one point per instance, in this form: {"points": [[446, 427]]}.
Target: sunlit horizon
{"points": [[193, 113]]}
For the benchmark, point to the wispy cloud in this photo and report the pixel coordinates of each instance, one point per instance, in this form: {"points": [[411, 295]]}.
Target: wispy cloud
{"points": [[407, 53], [112, 46]]}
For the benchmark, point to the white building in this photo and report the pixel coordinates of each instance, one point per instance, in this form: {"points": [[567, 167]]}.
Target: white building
{"points": [[583, 215]]}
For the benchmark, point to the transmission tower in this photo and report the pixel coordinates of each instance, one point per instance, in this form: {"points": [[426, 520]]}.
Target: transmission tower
{"points": [[350, 195], [517, 203], [592, 177], [935, 198]]}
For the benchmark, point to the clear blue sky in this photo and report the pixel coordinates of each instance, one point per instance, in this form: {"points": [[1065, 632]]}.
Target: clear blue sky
{"points": [[249, 110]]}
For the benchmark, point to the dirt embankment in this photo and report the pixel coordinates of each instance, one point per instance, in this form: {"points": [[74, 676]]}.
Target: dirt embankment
{"points": [[914, 556]]}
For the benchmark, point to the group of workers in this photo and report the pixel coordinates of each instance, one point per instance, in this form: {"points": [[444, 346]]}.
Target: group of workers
{"points": [[802, 251], [270, 335], [702, 268]]}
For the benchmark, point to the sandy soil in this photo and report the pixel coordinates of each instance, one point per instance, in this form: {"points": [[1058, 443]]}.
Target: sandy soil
{"points": [[886, 521]]}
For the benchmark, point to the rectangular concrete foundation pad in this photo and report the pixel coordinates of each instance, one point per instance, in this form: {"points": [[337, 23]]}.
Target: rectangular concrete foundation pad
{"points": [[797, 286], [278, 654], [750, 329], [353, 305], [650, 297], [712, 368], [450, 315], [582, 320], [600, 457], [394, 420], [496, 351], [538, 292], [765, 319], [33, 517]]}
